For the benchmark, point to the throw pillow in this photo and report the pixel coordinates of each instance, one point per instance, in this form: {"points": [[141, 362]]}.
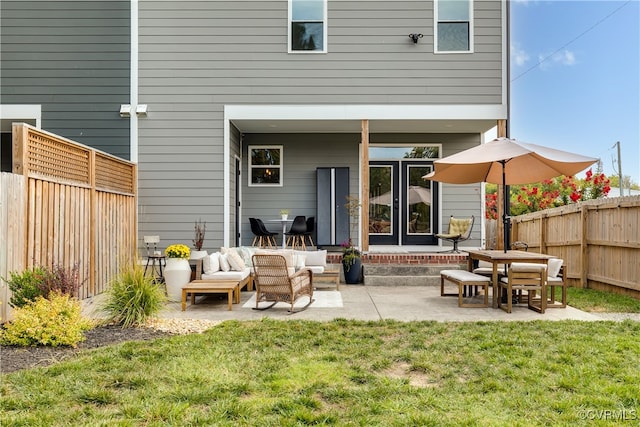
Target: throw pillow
{"points": [[224, 262], [300, 261], [235, 261], [316, 258], [211, 263], [554, 267]]}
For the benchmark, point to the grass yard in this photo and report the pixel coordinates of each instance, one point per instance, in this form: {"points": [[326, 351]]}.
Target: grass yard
{"points": [[286, 373], [601, 302]]}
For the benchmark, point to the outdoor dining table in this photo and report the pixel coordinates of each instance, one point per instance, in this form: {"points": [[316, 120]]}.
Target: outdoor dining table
{"points": [[284, 229], [499, 256]]}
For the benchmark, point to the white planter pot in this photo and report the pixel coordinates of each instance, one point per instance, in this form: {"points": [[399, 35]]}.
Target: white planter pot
{"points": [[177, 273], [284, 217], [198, 254]]}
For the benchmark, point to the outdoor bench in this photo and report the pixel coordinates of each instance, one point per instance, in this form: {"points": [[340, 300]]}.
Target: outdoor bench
{"points": [[465, 278]]}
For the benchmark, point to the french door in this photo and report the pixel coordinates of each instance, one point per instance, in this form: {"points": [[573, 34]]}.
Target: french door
{"points": [[402, 205]]}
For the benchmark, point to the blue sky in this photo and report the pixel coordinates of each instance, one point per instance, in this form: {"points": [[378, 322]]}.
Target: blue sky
{"points": [[575, 78]]}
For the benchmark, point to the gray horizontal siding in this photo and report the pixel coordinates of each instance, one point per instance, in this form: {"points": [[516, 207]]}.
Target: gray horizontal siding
{"points": [[197, 56], [72, 58], [244, 45], [302, 154]]}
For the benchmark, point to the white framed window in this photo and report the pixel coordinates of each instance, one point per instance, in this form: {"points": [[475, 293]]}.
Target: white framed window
{"points": [[307, 26], [265, 166], [453, 26]]}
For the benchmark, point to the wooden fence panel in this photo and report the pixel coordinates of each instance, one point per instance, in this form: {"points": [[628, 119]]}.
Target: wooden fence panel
{"points": [[74, 206], [13, 222], [598, 239]]}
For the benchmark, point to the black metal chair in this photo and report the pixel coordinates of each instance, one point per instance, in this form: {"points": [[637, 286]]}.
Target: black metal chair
{"points": [[296, 234]]}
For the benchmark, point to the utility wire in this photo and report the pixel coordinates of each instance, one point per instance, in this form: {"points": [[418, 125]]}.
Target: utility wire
{"points": [[569, 42]]}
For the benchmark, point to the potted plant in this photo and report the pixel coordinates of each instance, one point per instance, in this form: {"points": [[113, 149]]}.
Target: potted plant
{"points": [[177, 272], [284, 213], [351, 256], [200, 229]]}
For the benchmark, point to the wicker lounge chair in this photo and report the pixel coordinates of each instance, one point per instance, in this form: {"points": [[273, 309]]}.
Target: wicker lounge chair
{"points": [[275, 283]]}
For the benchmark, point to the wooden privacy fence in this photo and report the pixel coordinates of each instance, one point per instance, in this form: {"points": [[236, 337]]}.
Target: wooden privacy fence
{"points": [[68, 205], [599, 240]]}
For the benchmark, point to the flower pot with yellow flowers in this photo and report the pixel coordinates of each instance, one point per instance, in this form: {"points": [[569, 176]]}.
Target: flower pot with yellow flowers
{"points": [[177, 272]]}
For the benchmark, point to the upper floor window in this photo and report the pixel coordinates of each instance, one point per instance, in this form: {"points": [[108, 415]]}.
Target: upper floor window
{"points": [[265, 165], [308, 26], [453, 27]]}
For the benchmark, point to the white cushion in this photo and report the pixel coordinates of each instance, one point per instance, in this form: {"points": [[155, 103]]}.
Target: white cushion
{"points": [[554, 267], [235, 261], [315, 269], [316, 258], [224, 262], [211, 263], [527, 267], [228, 275], [286, 253], [299, 260]]}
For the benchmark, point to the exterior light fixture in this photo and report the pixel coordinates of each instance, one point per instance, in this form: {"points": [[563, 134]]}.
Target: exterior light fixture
{"points": [[125, 110], [415, 37], [141, 110]]}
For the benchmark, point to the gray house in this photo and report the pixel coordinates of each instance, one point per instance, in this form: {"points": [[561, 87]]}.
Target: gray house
{"points": [[236, 109]]}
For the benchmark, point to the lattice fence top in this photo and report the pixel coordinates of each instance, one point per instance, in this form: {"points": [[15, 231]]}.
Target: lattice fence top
{"points": [[48, 156], [114, 175]]}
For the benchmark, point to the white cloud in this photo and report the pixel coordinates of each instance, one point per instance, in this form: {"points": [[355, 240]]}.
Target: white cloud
{"points": [[519, 56], [562, 57]]}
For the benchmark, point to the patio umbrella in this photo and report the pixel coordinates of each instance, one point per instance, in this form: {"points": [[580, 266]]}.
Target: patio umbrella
{"points": [[415, 194], [507, 161]]}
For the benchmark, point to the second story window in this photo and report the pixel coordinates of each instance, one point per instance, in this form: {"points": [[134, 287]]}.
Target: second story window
{"points": [[308, 26], [454, 25]]}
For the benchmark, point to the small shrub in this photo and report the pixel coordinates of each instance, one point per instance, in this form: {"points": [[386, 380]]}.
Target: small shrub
{"points": [[65, 281], [132, 297], [27, 286], [40, 281], [54, 322]]}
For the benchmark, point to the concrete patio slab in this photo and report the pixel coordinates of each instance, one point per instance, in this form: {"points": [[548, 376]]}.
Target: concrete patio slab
{"points": [[403, 303]]}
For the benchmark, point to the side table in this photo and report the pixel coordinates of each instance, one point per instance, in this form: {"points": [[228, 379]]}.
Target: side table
{"points": [[156, 262]]}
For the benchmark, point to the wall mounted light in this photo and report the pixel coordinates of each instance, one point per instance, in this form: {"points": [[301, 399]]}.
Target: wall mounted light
{"points": [[125, 110], [141, 110], [415, 37]]}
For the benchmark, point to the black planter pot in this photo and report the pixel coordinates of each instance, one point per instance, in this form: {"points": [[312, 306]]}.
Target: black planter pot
{"points": [[353, 272]]}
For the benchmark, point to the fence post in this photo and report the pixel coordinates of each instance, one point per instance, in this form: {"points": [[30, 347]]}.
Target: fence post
{"points": [[583, 248], [92, 223]]}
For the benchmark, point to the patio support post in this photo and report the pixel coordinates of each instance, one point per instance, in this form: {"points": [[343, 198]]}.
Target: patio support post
{"points": [[364, 197]]}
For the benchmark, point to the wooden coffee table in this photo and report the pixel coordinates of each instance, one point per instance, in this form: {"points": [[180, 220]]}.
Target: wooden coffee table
{"points": [[230, 287]]}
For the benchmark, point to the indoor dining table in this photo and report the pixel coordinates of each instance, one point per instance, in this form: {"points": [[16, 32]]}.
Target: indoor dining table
{"points": [[499, 256]]}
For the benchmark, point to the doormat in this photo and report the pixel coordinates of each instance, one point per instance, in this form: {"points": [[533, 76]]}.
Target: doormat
{"points": [[323, 299]]}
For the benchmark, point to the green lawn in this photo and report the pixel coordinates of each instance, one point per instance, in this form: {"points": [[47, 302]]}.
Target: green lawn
{"points": [[286, 373], [600, 301]]}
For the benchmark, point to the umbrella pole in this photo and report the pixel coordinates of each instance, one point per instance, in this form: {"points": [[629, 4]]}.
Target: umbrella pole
{"points": [[506, 219]]}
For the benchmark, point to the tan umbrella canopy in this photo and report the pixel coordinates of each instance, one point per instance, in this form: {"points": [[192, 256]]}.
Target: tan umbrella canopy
{"points": [[415, 194], [507, 161]]}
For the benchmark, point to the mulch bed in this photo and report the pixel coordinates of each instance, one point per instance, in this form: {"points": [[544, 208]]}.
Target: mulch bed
{"points": [[16, 358]]}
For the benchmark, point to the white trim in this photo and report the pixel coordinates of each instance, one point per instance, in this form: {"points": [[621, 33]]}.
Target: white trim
{"points": [[17, 112], [325, 26], [133, 119], [435, 30], [506, 54], [226, 186], [251, 166], [370, 112]]}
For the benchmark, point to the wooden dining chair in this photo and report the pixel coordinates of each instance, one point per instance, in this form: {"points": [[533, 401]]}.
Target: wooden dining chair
{"points": [[524, 276]]}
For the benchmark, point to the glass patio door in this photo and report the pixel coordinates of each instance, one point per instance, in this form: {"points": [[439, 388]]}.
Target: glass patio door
{"points": [[402, 205]]}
